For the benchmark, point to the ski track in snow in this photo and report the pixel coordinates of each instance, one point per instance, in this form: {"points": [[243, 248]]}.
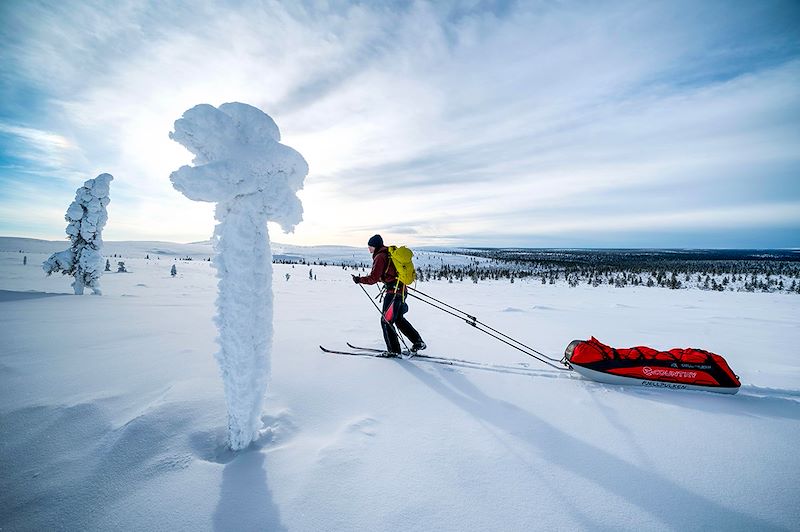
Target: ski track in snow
{"points": [[784, 398]]}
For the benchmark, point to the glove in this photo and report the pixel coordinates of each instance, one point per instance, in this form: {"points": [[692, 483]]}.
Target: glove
{"points": [[355, 279]]}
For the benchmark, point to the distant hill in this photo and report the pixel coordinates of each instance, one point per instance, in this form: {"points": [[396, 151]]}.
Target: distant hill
{"points": [[125, 248], [195, 250]]}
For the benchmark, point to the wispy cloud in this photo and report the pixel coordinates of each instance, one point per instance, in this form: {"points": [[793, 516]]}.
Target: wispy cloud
{"points": [[43, 140], [43, 148], [434, 121]]}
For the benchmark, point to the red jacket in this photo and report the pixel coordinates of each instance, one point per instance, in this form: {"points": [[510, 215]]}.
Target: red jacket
{"points": [[382, 270]]}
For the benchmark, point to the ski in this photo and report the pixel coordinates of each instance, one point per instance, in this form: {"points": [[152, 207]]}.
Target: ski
{"points": [[430, 357], [406, 354], [453, 362], [377, 353], [368, 349], [363, 353]]}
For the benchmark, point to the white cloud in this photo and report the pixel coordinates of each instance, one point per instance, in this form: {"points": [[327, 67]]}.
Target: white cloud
{"points": [[43, 140], [46, 149], [440, 118]]}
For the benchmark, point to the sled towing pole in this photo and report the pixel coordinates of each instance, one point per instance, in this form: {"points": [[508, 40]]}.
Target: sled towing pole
{"points": [[494, 333]]}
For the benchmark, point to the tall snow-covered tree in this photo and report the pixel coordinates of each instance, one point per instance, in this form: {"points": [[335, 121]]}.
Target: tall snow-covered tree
{"points": [[241, 165], [86, 217]]}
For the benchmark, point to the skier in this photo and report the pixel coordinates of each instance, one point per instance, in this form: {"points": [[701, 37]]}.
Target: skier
{"points": [[394, 305]]}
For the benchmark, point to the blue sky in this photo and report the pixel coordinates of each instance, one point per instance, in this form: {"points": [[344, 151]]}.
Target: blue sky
{"points": [[563, 124]]}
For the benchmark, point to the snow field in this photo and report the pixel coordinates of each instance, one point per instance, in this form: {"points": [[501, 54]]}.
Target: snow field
{"points": [[102, 431]]}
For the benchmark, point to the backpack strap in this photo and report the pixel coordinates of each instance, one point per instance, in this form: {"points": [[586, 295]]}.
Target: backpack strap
{"points": [[389, 262]]}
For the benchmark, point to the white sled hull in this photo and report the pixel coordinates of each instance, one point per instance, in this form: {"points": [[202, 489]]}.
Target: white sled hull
{"points": [[609, 378]]}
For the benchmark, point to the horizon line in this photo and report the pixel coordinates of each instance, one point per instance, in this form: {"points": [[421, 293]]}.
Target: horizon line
{"points": [[470, 247]]}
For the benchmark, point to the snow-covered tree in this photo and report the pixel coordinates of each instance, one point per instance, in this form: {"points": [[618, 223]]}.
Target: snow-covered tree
{"points": [[174, 271], [87, 216], [240, 164]]}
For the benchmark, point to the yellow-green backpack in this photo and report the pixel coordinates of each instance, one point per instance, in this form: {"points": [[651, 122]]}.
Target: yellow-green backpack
{"points": [[401, 258]]}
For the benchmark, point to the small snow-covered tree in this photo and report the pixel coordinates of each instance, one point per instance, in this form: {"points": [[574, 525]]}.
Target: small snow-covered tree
{"points": [[108, 265], [241, 165], [87, 216], [25, 260], [174, 271]]}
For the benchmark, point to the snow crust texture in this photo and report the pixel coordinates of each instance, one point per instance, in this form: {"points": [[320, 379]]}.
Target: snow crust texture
{"points": [[241, 165], [86, 217], [101, 431]]}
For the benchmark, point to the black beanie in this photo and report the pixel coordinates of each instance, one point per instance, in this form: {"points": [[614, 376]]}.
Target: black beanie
{"points": [[376, 241]]}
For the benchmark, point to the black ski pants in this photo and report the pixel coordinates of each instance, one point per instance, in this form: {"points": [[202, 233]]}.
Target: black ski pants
{"points": [[394, 310]]}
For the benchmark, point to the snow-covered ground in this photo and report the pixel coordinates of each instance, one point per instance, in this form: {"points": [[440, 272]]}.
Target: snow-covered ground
{"points": [[112, 413]]}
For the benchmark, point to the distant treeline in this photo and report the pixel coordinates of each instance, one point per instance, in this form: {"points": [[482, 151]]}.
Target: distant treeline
{"points": [[745, 270], [720, 270]]}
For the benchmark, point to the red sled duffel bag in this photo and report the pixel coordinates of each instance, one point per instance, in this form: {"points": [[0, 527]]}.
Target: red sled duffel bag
{"points": [[676, 369]]}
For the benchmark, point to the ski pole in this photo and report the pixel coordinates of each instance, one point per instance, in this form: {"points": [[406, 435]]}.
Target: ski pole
{"points": [[371, 300], [383, 318]]}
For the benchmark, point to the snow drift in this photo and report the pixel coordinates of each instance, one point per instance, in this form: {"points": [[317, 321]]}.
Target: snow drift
{"points": [[240, 164]]}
